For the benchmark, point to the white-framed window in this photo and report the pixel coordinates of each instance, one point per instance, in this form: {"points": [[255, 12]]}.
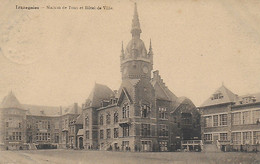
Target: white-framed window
{"points": [[247, 138], [223, 119], [208, 121], [236, 138], [215, 120], [246, 117], [256, 116], [163, 145], [163, 113], [256, 137], [207, 137], [236, 118], [223, 136], [125, 111], [145, 109]]}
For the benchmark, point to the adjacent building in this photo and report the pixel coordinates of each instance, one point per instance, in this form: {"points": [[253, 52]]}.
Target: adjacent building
{"points": [[230, 121], [143, 114], [25, 126]]}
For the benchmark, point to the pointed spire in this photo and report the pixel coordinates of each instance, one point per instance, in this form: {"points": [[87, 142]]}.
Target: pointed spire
{"points": [[150, 48], [136, 30], [122, 50]]}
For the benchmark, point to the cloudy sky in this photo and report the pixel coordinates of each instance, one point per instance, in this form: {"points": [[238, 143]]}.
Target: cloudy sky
{"points": [[54, 57]]}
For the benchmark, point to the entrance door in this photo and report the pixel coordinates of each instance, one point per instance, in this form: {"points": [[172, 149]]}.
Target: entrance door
{"points": [[215, 138], [80, 142], [146, 145]]}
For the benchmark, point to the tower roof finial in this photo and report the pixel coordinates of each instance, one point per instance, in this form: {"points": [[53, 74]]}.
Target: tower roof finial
{"points": [[150, 48], [122, 50], [136, 29]]}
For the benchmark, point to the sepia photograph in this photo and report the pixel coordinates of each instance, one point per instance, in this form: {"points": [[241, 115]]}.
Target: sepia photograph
{"points": [[129, 82]]}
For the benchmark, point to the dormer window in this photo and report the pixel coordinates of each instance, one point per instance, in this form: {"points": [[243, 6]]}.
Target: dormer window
{"points": [[248, 99], [217, 96]]}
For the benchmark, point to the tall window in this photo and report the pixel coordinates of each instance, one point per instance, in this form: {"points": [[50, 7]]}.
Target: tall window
{"points": [[115, 132], [223, 136], [236, 138], [7, 124], [256, 116], [87, 121], [163, 130], [247, 138], [223, 119], [87, 134], [101, 119], [215, 120], [246, 119], [256, 137], [145, 111], [208, 121], [163, 113], [108, 133], [101, 134], [125, 131], [186, 118], [125, 111], [145, 131], [115, 117], [108, 118], [236, 118]]}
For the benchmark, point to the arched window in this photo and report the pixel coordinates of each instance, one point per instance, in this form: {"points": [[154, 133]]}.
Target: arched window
{"points": [[116, 117]]}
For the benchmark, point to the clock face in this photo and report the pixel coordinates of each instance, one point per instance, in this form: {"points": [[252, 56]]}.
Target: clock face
{"points": [[145, 69]]}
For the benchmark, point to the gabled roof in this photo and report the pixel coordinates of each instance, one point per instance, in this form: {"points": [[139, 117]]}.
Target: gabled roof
{"points": [[123, 92], [100, 92], [161, 90], [10, 101], [227, 97], [79, 119]]}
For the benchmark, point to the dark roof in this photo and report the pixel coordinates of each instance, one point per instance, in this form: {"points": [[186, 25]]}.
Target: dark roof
{"points": [[10, 101], [39, 110], [100, 92], [180, 101], [228, 97]]}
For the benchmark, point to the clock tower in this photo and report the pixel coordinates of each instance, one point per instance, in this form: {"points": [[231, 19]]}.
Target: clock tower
{"points": [[136, 62]]}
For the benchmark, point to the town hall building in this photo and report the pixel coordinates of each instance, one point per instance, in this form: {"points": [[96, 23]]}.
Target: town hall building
{"points": [[143, 114]]}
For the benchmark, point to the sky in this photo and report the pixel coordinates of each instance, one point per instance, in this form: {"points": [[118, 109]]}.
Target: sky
{"points": [[54, 57]]}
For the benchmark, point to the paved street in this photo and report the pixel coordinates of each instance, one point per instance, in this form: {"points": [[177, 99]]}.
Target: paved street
{"points": [[95, 157]]}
